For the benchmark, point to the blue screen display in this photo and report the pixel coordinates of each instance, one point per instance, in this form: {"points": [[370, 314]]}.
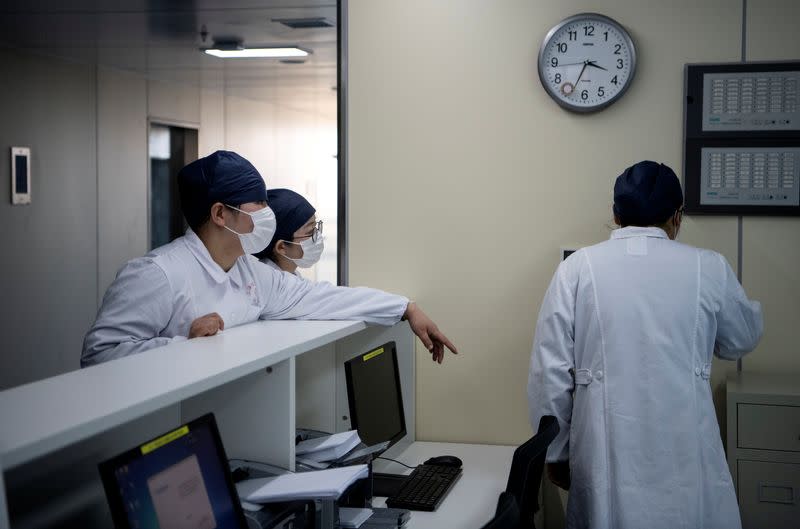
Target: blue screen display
{"points": [[180, 484]]}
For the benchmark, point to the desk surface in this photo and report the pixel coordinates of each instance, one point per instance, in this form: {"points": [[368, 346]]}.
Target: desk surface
{"points": [[55, 412], [473, 499]]}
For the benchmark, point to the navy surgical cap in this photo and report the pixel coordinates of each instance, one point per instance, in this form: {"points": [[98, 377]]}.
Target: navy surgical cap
{"points": [[647, 194], [220, 177], [291, 210]]}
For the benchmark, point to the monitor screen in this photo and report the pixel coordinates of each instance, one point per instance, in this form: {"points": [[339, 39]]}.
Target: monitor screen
{"points": [[374, 395], [180, 479]]}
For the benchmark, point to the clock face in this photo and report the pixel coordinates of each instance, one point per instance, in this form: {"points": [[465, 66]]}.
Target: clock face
{"points": [[586, 62]]}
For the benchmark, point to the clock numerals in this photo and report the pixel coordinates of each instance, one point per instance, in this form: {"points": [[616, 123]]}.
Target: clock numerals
{"points": [[620, 64], [601, 91], [614, 80], [588, 31], [562, 47], [617, 48], [554, 62], [573, 35], [557, 78]]}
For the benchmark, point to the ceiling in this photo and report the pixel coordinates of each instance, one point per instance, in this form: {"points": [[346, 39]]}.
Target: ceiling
{"points": [[162, 39]]}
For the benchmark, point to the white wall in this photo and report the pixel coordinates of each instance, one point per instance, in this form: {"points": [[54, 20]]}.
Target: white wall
{"points": [[771, 256], [122, 219], [173, 103], [212, 116], [465, 178], [294, 150], [49, 248]]}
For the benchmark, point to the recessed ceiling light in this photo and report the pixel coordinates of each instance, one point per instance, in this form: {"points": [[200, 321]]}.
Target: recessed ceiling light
{"points": [[271, 52]]}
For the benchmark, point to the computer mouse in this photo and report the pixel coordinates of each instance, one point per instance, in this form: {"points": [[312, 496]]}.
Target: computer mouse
{"points": [[444, 461]]}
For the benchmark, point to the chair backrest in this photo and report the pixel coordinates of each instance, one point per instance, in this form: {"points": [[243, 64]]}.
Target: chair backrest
{"points": [[527, 467], [507, 514]]}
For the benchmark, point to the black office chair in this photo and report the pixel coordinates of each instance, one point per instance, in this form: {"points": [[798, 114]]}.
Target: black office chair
{"points": [[525, 477], [507, 514]]}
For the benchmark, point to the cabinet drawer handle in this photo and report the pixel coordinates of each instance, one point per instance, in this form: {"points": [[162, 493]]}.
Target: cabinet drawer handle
{"points": [[778, 493]]}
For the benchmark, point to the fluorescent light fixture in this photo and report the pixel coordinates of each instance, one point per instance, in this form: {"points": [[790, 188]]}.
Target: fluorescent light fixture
{"points": [[272, 53]]}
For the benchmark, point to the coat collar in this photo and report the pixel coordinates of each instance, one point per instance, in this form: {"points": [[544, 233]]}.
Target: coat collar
{"points": [[216, 272], [636, 231]]}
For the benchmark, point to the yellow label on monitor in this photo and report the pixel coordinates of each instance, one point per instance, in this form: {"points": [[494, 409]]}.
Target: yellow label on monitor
{"points": [[373, 354], [164, 439]]}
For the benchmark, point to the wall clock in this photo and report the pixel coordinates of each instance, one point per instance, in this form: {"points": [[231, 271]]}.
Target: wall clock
{"points": [[587, 62]]}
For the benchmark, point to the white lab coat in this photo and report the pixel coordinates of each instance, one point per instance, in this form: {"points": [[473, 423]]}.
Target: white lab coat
{"points": [[272, 264], [154, 299], [622, 358]]}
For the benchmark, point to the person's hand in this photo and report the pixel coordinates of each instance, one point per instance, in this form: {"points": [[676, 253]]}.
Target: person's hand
{"points": [[427, 331], [558, 474], [207, 325]]}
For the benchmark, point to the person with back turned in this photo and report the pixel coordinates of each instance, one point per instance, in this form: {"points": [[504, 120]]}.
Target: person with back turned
{"points": [[622, 358]]}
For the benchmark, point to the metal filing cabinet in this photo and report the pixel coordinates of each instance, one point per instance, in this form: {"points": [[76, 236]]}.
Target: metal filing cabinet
{"points": [[764, 448]]}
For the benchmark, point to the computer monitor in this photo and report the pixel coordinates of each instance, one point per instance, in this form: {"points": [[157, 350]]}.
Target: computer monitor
{"points": [[178, 480], [375, 397]]}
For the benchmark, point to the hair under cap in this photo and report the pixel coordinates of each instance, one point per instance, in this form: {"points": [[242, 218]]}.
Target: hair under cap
{"points": [[647, 194], [292, 211], [223, 176]]}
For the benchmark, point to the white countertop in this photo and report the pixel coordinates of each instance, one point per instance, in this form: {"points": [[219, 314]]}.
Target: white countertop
{"points": [[58, 411]]}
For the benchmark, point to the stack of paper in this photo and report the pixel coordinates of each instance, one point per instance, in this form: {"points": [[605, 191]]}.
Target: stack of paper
{"points": [[353, 518], [329, 447], [320, 484]]}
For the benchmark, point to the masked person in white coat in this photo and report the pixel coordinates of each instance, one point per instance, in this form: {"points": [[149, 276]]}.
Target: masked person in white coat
{"points": [[206, 281], [298, 241], [622, 358]]}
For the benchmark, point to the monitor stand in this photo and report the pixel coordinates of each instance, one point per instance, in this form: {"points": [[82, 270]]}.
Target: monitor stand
{"points": [[387, 484]]}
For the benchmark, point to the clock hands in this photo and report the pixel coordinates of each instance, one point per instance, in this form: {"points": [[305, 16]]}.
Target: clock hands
{"points": [[568, 88], [585, 64], [570, 64], [595, 65]]}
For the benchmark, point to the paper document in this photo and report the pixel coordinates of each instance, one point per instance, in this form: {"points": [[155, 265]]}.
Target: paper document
{"points": [[363, 452], [311, 464], [352, 517], [247, 506], [329, 447], [319, 484]]}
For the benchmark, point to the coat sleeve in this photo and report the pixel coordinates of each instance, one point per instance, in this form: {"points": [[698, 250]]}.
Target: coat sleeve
{"points": [[740, 322], [135, 309], [289, 297], [550, 381]]}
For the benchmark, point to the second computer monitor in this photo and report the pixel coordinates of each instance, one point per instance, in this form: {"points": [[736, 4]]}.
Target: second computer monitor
{"points": [[375, 397]]}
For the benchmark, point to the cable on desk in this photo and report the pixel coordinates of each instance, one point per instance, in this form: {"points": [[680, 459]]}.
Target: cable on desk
{"points": [[239, 460], [396, 461]]}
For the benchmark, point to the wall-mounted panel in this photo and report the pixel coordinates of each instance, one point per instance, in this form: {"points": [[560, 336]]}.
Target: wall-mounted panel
{"points": [[49, 260]]}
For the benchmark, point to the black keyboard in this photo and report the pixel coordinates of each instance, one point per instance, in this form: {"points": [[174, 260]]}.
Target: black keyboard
{"points": [[425, 488]]}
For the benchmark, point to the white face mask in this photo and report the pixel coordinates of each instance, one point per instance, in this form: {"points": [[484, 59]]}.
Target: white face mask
{"points": [[264, 225], [312, 251]]}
